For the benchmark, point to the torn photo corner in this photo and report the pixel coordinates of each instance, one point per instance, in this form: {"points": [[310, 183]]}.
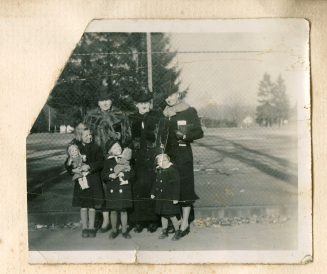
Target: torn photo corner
{"points": [[227, 104]]}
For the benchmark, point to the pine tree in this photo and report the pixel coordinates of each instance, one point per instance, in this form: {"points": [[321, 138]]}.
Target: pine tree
{"points": [[280, 101], [265, 111], [116, 60], [274, 103]]}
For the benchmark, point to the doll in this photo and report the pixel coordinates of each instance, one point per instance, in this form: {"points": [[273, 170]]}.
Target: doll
{"points": [[76, 160]]}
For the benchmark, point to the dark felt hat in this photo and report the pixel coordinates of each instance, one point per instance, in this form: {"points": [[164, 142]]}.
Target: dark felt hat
{"points": [[143, 97], [104, 94], [171, 90]]}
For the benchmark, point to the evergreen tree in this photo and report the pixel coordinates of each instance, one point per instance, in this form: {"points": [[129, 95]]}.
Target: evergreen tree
{"points": [[273, 100], [265, 111], [116, 60], [280, 101]]}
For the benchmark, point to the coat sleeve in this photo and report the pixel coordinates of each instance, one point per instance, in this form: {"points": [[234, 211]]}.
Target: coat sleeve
{"points": [[154, 185], [97, 164], [105, 172], [126, 137], [176, 185], [194, 130], [163, 131]]}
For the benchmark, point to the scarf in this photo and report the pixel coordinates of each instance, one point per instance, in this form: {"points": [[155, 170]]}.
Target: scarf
{"points": [[171, 111]]}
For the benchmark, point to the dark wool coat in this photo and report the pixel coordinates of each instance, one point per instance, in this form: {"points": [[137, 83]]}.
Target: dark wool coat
{"points": [[180, 151], [93, 196], [104, 126], [118, 197], [146, 135], [166, 189]]}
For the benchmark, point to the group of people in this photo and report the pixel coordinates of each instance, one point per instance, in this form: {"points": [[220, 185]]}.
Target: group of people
{"points": [[136, 169]]}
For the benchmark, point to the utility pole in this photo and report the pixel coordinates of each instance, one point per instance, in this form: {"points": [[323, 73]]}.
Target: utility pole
{"points": [[149, 59]]}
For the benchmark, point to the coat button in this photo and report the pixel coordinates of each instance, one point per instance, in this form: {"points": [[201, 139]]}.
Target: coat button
{"points": [[160, 181], [111, 169], [161, 190], [111, 190], [120, 191]]}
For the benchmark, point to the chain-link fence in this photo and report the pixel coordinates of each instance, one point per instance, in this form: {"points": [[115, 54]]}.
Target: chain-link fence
{"points": [[237, 163]]}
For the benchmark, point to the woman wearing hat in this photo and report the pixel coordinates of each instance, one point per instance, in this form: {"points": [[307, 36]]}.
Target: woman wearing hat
{"points": [[183, 128], [107, 123], [146, 128]]}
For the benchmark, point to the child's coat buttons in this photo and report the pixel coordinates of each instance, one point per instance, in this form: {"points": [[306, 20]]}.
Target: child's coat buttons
{"points": [[120, 191], [111, 190]]}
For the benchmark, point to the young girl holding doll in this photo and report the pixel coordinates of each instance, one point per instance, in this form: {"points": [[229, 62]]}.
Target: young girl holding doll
{"points": [[119, 193], [166, 192], [89, 195]]}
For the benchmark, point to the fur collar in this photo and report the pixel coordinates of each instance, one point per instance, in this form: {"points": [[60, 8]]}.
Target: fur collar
{"points": [[171, 111]]}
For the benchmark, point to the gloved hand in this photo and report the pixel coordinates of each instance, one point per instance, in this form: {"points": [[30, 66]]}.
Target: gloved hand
{"points": [[179, 134]]}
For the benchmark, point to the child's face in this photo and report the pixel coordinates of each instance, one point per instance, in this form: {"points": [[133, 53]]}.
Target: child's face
{"points": [[143, 107], [115, 150], [73, 151], [163, 161], [86, 137], [105, 105]]}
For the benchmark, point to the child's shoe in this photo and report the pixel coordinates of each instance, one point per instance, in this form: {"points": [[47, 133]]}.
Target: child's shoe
{"points": [[164, 234], [126, 235], [92, 233], [113, 234], [177, 235], [85, 233]]}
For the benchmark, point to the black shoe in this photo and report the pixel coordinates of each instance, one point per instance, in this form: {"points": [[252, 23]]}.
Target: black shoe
{"points": [[138, 228], [126, 235], [113, 234], [177, 235], [85, 233], [186, 231], [171, 229], [164, 234], [152, 227], [180, 234], [92, 233], [104, 230]]}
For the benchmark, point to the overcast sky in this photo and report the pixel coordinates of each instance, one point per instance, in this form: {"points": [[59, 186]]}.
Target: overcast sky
{"points": [[234, 74]]}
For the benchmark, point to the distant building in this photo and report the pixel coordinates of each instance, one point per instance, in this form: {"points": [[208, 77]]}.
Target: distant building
{"points": [[247, 122], [63, 129], [69, 129]]}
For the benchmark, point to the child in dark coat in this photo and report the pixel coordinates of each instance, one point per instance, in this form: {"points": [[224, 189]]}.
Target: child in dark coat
{"points": [[119, 192], [92, 197], [166, 192]]}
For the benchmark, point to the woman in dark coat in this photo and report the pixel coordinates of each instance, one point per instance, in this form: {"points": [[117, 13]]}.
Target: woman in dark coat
{"points": [[183, 128], [107, 124], [146, 130]]}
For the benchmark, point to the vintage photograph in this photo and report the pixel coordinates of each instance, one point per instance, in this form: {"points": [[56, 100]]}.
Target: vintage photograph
{"points": [[175, 141]]}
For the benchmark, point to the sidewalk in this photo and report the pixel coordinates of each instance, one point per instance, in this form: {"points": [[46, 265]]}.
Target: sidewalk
{"points": [[258, 236]]}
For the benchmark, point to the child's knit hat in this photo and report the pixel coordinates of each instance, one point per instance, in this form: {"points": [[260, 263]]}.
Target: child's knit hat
{"points": [[109, 144]]}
